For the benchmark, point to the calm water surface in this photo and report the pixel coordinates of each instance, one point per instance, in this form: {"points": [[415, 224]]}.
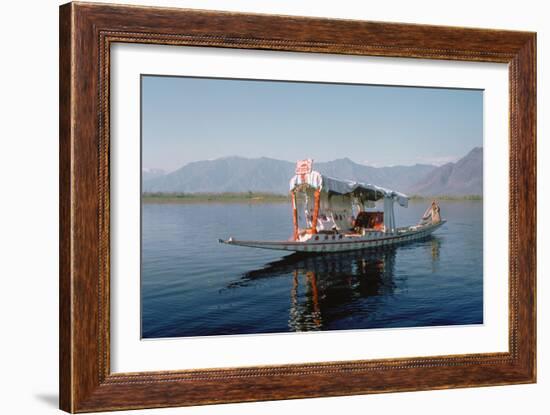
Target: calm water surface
{"points": [[191, 285]]}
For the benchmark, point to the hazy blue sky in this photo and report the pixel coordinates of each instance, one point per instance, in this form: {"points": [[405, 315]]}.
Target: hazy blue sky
{"points": [[190, 119]]}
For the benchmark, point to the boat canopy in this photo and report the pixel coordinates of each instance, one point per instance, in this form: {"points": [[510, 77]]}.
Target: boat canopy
{"points": [[364, 191]]}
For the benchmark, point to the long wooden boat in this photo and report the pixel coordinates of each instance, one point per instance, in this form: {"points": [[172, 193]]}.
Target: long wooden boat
{"points": [[332, 215]]}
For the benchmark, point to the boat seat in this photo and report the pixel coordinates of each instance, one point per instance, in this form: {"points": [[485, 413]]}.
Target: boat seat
{"points": [[370, 220]]}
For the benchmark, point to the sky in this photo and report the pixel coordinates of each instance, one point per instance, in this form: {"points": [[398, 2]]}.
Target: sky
{"points": [[189, 119]]}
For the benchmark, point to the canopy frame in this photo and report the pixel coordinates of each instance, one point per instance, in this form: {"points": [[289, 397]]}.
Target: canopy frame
{"points": [[361, 192]]}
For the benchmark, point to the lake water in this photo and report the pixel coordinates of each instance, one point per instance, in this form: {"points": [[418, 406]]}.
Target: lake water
{"points": [[191, 285]]}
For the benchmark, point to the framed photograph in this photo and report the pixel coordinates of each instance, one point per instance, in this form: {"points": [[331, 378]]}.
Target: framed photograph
{"points": [[258, 207]]}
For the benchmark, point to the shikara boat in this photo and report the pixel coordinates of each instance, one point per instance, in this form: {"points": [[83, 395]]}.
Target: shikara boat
{"points": [[333, 215]]}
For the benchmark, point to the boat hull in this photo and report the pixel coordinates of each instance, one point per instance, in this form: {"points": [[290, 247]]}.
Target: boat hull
{"points": [[340, 243]]}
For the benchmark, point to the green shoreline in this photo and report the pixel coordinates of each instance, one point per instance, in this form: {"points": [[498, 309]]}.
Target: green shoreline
{"points": [[248, 197], [447, 198], [253, 198]]}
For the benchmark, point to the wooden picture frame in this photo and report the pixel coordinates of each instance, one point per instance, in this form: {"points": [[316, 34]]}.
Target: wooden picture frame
{"points": [[86, 33]]}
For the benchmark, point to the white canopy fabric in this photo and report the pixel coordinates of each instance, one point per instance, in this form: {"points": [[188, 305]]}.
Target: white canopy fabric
{"points": [[343, 187]]}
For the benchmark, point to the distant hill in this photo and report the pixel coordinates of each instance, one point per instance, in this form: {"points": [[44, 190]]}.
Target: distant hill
{"points": [[229, 174], [399, 178], [238, 174], [465, 177]]}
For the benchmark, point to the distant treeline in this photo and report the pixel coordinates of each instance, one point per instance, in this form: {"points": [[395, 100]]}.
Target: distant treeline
{"points": [[225, 197], [447, 197], [254, 197]]}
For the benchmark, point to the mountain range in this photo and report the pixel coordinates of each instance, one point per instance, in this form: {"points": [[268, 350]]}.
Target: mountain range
{"points": [[238, 174]]}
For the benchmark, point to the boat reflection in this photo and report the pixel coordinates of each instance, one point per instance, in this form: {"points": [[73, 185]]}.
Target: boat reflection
{"points": [[434, 246], [326, 288], [336, 286]]}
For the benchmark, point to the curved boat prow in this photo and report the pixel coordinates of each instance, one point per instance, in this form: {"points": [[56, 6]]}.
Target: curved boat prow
{"points": [[277, 245]]}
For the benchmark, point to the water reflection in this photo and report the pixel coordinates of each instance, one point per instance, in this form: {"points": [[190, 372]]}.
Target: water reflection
{"points": [[326, 287], [435, 248], [333, 287]]}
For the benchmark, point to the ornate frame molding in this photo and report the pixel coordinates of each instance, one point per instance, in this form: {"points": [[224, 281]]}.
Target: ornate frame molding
{"points": [[86, 33]]}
